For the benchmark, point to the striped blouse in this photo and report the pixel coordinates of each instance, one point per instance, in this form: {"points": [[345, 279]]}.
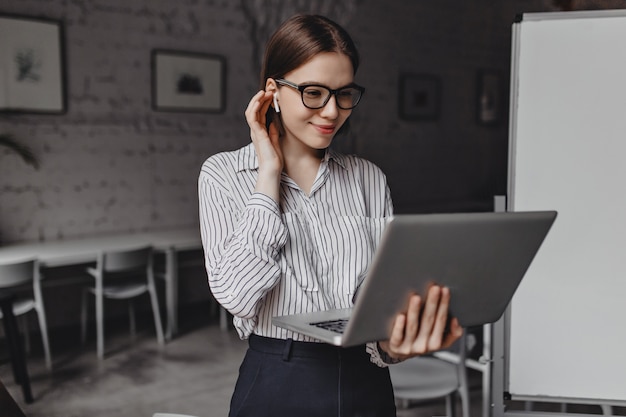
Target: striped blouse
{"points": [[306, 253]]}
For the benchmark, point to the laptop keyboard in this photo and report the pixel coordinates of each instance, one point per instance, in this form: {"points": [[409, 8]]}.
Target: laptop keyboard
{"points": [[337, 326]]}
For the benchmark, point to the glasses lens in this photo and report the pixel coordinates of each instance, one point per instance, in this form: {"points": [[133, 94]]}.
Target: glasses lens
{"points": [[348, 98], [315, 97]]}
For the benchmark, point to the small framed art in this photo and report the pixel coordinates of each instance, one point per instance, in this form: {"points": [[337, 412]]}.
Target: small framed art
{"points": [[32, 69], [419, 97], [187, 81]]}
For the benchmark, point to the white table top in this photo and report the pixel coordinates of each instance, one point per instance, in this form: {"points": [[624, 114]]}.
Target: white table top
{"points": [[82, 250]]}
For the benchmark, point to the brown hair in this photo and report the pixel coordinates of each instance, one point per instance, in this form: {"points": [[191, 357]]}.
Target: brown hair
{"points": [[297, 41]]}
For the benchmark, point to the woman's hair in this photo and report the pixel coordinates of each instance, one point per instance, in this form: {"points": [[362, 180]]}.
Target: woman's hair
{"points": [[301, 38], [298, 40]]}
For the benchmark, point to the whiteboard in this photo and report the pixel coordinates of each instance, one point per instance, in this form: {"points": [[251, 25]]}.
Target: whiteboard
{"points": [[567, 152]]}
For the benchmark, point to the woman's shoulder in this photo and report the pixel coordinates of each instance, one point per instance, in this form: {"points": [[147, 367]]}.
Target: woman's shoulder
{"points": [[228, 161]]}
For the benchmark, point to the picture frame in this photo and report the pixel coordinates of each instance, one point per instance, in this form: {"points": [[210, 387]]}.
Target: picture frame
{"points": [[32, 65], [489, 98], [188, 81], [419, 97]]}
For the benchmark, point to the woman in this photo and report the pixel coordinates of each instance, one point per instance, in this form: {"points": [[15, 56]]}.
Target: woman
{"points": [[290, 226]]}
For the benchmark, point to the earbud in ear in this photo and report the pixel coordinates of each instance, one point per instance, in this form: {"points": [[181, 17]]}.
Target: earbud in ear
{"points": [[276, 106]]}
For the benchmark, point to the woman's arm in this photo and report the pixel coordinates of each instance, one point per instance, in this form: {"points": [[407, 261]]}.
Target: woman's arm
{"points": [[241, 246]]}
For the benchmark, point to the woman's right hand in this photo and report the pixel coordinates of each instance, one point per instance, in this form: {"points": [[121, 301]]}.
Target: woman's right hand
{"points": [[265, 143]]}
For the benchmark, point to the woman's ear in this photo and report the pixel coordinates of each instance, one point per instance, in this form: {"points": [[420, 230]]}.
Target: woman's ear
{"points": [[271, 85]]}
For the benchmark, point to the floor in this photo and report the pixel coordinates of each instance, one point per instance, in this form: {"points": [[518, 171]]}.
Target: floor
{"points": [[192, 374]]}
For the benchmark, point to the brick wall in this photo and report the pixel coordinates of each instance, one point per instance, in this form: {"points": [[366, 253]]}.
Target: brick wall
{"points": [[113, 164]]}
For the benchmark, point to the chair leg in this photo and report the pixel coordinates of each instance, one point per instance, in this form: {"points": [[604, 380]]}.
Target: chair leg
{"points": [[451, 405], [26, 331], [43, 328], [465, 406], [100, 324], [83, 317], [131, 315], [156, 312]]}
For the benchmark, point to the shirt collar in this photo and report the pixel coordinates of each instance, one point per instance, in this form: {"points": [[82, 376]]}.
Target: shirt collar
{"points": [[333, 155], [248, 160]]}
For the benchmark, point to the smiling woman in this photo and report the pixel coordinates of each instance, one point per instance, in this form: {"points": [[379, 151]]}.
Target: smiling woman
{"points": [[290, 226]]}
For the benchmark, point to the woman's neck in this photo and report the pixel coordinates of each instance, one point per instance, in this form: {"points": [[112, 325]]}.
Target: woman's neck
{"points": [[301, 164]]}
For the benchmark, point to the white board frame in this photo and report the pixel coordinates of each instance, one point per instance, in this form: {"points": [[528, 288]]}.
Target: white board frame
{"points": [[533, 338]]}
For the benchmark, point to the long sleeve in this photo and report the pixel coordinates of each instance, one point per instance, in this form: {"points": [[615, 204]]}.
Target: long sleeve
{"points": [[241, 246]]}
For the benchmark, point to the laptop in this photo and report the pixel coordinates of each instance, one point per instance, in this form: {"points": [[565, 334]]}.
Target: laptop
{"points": [[481, 257]]}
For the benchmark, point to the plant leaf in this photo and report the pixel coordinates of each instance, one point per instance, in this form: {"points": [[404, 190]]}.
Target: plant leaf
{"points": [[22, 150]]}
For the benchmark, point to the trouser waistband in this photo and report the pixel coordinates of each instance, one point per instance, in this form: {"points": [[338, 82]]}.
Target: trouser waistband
{"points": [[291, 348]]}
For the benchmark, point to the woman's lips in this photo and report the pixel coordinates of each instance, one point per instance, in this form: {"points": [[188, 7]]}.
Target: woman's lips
{"points": [[325, 129]]}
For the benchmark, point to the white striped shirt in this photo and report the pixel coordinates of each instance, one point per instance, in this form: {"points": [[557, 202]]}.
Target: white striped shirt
{"points": [[307, 254]]}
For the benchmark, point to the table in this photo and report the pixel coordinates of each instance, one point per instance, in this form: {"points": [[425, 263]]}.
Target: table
{"points": [[75, 251]]}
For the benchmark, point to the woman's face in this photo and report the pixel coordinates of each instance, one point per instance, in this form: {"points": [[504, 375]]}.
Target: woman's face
{"points": [[314, 129]]}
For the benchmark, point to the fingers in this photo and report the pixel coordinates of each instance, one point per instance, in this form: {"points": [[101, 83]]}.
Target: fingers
{"points": [[273, 132], [255, 113], [397, 332], [405, 329], [456, 331], [266, 142], [413, 318], [440, 320], [421, 330], [427, 337]]}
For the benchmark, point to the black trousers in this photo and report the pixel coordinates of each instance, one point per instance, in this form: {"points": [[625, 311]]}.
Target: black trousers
{"points": [[284, 378]]}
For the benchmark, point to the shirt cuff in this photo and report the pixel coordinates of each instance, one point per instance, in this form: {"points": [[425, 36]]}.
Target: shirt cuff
{"points": [[378, 356]]}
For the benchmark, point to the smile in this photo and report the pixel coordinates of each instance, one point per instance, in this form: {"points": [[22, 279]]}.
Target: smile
{"points": [[325, 129]]}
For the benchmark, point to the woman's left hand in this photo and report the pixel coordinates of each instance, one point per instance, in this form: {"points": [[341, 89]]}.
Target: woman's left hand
{"points": [[421, 331]]}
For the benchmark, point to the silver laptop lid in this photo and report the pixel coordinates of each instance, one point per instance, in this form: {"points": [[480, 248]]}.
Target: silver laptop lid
{"points": [[481, 257]]}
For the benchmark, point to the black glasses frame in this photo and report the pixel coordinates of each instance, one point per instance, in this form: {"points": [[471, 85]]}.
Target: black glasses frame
{"points": [[332, 92]]}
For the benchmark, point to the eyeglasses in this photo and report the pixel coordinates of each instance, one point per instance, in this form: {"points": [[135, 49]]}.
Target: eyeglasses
{"points": [[315, 96]]}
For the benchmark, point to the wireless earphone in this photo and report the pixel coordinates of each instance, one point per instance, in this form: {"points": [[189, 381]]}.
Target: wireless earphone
{"points": [[276, 106]]}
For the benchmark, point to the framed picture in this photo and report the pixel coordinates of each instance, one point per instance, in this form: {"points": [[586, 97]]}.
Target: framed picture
{"points": [[489, 99], [187, 81], [419, 97], [32, 69]]}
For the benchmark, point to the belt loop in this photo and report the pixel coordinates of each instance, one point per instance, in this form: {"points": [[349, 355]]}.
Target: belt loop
{"points": [[287, 350]]}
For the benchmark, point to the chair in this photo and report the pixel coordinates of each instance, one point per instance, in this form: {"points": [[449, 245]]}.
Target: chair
{"points": [[26, 275], [430, 377], [116, 277]]}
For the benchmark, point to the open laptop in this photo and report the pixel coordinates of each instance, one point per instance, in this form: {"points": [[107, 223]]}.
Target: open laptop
{"points": [[481, 257]]}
